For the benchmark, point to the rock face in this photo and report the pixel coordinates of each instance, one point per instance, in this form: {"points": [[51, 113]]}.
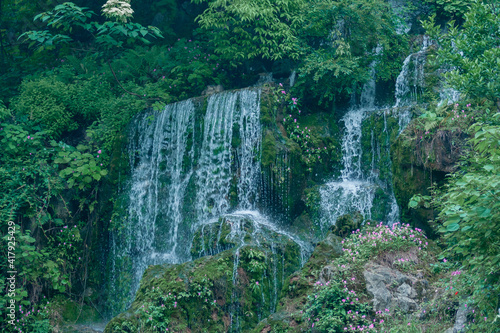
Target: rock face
{"points": [[391, 289], [418, 161]]}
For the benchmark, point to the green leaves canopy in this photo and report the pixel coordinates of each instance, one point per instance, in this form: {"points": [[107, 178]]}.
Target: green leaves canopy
{"points": [[470, 212], [472, 52], [340, 40], [243, 29]]}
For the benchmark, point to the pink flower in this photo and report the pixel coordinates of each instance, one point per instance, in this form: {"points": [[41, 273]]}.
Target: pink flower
{"points": [[99, 151]]}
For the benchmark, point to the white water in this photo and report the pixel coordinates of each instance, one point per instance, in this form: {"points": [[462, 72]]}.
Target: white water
{"points": [[178, 183], [157, 154], [409, 84], [183, 173], [355, 191]]}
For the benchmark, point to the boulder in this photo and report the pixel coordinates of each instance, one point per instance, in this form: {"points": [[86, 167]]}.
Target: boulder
{"points": [[392, 289]]}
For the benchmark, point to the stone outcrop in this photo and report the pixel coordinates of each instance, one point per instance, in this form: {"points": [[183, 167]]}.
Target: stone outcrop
{"points": [[392, 289]]}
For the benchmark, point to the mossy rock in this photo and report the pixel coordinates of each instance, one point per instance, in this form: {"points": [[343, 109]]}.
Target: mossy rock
{"points": [[230, 291], [347, 223], [288, 317]]}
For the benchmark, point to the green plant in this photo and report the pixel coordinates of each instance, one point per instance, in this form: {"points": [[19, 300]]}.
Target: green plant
{"points": [[471, 51], [67, 17], [241, 30], [453, 8], [81, 167], [313, 149], [333, 307], [340, 42], [469, 217]]}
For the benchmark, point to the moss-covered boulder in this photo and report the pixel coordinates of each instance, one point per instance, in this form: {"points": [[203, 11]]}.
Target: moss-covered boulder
{"points": [[348, 281], [289, 316], [230, 291]]}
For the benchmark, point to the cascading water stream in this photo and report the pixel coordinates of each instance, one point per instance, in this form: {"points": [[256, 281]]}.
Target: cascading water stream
{"points": [[173, 160], [409, 83], [355, 191]]}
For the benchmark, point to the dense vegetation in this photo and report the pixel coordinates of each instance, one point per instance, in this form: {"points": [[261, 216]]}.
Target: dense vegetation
{"points": [[73, 74]]}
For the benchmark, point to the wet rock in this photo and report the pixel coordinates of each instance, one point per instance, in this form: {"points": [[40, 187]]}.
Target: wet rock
{"points": [[209, 90]]}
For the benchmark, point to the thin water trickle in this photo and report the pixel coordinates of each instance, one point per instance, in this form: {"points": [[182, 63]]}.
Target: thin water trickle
{"points": [[410, 83]]}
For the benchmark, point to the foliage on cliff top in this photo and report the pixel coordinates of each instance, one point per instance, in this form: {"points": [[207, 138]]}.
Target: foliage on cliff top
{"points": [[471, 51], [470, 218]]}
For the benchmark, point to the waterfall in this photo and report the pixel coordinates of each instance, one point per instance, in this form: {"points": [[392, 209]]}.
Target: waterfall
{"points": [[157, 153], [409, 83], [356, 190], [184, 169], [195, 187]]}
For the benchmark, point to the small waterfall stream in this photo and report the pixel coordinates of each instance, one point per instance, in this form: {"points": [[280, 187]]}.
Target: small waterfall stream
{"points": [[409, 83], [356, 190]]}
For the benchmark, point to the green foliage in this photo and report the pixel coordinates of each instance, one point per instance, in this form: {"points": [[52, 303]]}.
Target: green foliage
{"points": [[337, 61], [452, 8], [82, 168], [470, 213], [67, 16], [242, 30], [313, 149], [48, 252], [333, 307], [472, 52], [43, 101], [183, 69]]}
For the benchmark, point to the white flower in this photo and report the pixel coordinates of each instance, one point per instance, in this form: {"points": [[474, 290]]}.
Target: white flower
{"points": [[119, 10]]}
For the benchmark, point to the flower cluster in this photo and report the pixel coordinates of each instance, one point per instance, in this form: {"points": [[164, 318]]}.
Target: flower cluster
{"points": [[118, 10], [366, 243], [461, 118], [313, 150], [33, 317]]}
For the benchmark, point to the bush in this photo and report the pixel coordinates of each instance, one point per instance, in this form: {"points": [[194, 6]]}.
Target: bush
{"points": [[43, 101]]}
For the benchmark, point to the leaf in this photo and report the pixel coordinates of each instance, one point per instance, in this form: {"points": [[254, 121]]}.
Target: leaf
{"points": [[452, 227], [489, 167], [413, 204]]}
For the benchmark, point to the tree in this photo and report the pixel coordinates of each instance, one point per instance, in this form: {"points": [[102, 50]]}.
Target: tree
{"points": [[470, 217], [471, 52], [242, 29], [67, 17], [339, 41]]}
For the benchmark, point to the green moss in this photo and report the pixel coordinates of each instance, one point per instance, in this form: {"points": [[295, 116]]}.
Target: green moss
{"points": [[269, 149], [346, 224], [410, 179]]}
